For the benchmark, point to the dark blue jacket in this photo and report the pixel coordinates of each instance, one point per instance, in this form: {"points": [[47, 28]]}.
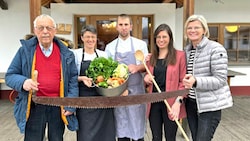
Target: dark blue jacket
{"points": [[20, 70]]}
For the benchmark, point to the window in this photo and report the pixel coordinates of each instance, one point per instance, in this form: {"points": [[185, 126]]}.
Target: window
{"points": [[213, 30], [235, 38]]}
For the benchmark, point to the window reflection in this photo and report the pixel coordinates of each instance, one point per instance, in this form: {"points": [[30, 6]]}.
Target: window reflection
{"points": [[106, 31], [81, 22], [236, 41], [146, 30], [106, 28], [213, 30]]}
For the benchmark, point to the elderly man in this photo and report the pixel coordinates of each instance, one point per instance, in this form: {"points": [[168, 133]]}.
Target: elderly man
{"points": [[57, 77]]}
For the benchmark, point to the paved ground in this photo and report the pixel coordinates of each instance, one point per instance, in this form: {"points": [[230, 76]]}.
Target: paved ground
{"points": [[235, 124]]}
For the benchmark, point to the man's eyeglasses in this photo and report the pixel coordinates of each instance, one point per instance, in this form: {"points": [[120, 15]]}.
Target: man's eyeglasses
{"points": [[41, 28]]}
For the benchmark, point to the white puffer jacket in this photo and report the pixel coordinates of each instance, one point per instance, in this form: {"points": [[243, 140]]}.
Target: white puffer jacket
{"points": [[210, 70]]}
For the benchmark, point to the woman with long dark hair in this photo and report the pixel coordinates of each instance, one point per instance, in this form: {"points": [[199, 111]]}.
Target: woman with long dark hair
{"points": [[168, 67]]}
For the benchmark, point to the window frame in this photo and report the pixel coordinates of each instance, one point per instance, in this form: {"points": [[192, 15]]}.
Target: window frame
{"points": [[221, 40]]}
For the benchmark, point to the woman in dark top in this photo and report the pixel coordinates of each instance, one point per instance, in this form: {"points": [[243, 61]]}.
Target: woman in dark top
{"points": [[168, 67]]}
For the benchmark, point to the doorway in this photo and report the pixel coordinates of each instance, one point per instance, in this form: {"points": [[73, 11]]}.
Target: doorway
{"points": [[106, 28]]}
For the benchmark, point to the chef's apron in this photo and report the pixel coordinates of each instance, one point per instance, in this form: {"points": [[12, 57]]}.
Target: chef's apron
{"points": [[94, 124], [131, 120]]}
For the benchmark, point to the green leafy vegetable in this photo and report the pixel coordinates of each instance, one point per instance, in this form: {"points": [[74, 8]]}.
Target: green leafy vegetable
{"points": [[101, 66]]}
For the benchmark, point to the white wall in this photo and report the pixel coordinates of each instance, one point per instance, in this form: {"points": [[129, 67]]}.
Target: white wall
{"points": [[228, 11], [15, 22]]}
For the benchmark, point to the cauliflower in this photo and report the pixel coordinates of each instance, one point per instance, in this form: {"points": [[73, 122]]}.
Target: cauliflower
{"points": [[121, 71]]}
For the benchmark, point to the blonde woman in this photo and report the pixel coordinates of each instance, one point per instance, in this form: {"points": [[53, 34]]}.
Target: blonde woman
{"points": [[206, 78]]}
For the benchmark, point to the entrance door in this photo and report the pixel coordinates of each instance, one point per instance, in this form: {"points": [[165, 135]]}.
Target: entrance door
{"points": [[106, 28]]}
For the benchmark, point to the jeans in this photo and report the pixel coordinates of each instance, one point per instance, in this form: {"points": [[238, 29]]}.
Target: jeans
{"points": [[40, 116], [202, 125], [158, 117]]}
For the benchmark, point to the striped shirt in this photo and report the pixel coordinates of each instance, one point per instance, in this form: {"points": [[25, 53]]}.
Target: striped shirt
{"points": [[190, 71]]}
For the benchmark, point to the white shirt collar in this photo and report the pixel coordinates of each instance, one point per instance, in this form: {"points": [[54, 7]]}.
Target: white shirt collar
{"points": [[47, 52]]}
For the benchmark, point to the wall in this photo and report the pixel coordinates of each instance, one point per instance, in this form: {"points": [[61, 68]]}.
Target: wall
{"points": [[15, 23], [228, 11]]}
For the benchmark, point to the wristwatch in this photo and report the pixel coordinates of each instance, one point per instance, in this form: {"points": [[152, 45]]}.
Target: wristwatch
{"points": [[179, 100]]}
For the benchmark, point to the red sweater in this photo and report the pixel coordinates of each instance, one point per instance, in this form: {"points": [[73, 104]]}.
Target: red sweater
{"points": [[49, 72]]}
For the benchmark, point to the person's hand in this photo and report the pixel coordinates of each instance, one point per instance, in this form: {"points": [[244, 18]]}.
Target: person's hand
{"points": [[29, 84], [125, 93], [87, 81], [132, 68], [67, 113], [148, 79], [188, 81], [147, 58], [174, 113]]}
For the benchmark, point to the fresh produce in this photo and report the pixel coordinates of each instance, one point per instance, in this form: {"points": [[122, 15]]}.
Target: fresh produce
{"points": [[115, 82], [100, 78], [101, 66], [121, 71], [107, 73], [103, 84]]}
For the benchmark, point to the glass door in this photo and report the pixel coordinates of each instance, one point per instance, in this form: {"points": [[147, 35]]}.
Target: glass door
{"points": [[106, 28]]}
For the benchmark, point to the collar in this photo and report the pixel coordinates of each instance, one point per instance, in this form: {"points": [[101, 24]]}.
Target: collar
{"points": [[122, 40], [46, 52], [49, 49]]}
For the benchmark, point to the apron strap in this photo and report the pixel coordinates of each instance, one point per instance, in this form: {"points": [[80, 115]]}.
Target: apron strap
{"points": [[83, 54], [132, 47]]}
